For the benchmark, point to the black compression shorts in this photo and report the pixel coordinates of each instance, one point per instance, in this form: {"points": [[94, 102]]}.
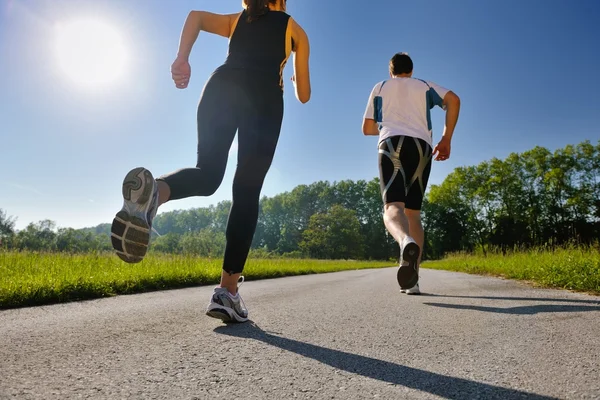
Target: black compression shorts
{"points": [[404, 167]]}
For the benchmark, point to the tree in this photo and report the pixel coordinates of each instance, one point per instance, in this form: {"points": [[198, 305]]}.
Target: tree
{"points": [[334, 234], [167, 243], [205, 243], [37, 236], [7, 224], [445, 229], [270, 221], [529, 199], [453, 217], [534, 198], [379, 245]]}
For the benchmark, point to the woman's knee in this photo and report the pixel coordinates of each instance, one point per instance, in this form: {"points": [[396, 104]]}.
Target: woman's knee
{"points": [[206, 182], [251, 175], [211, 188], [211, 172], [246, 192]]}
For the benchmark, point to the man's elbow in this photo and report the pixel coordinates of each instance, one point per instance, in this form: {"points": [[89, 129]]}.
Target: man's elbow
{"points": [[453, 99], [457, 101], [303, 93]]}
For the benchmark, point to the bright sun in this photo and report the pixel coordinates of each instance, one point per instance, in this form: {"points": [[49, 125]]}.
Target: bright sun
{"points": [[90, 52]]}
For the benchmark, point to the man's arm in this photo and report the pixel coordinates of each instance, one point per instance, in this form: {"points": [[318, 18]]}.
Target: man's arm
{"points": [[370, 127], [452, 107]]}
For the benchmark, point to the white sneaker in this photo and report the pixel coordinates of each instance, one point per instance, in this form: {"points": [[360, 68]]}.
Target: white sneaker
{"points": [[130, 230], [408, 273], [412, 291], [227, 307]]}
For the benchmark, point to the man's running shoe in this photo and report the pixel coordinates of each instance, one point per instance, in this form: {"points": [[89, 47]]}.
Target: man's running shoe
{"points": [[408, 273], [412, 291], [226, 307], [131, 227]]}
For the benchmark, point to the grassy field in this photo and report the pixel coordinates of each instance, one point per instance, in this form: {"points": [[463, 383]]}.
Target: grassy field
{"points": [[575, 269], [28, 279]]}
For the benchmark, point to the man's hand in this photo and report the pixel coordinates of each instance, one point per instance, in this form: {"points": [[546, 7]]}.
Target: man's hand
{"points": [[180, 72], [442, 150]]}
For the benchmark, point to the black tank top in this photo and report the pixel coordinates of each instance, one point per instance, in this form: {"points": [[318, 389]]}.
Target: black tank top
{"points": [[260, 46]]}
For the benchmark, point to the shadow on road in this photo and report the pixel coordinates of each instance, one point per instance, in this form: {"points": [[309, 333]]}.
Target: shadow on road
{"points": [[444, 386], [522, 310], [539, 299]]}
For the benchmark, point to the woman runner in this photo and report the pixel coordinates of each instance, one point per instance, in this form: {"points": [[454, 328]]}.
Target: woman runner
{"points": [[244, 95]]}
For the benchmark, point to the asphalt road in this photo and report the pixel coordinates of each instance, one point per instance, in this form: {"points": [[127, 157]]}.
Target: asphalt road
{"points": [[348, 335]]}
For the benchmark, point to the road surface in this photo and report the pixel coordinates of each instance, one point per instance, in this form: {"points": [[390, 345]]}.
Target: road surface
{"points": [[348, 335]]}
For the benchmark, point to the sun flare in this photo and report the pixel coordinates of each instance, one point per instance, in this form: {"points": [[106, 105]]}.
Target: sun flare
{"points": [[90, 52]]}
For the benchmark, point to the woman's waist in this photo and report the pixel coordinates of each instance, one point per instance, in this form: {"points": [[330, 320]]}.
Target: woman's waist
{"points": [[251, 75]]}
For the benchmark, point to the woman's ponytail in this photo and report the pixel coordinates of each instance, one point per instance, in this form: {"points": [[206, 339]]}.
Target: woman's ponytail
{"points": [[256, 9]]}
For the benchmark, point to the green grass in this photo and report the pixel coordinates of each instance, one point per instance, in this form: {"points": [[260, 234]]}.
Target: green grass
{"points": [[28, 279], [575, 269]]}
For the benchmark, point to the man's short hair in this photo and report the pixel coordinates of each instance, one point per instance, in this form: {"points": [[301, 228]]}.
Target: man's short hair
{"points": [[401, 64]]}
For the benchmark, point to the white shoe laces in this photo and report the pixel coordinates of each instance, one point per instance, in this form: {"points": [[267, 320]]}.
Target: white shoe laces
{"points": [[240, 282], [154, 199]]}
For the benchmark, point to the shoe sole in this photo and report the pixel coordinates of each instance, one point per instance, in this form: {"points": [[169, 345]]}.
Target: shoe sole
{"points": [[225, 314], [220, 314], [130, 231], [411, 292], [408, 276]]}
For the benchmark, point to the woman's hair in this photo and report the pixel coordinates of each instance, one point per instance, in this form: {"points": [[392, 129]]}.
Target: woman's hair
{"points": [[257, 8]]}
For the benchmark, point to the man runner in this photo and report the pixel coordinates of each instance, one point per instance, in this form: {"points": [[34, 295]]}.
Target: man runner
{"points": [[398, 112]]}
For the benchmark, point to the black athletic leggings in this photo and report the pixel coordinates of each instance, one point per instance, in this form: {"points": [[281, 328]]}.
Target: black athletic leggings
{"points": [[234, 100]]}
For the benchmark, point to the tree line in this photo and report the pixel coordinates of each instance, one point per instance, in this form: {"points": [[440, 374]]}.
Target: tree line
{"points": [[530, 199]]}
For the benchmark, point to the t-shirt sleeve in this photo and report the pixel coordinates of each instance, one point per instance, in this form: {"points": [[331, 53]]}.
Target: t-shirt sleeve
{"points": [[370, 111], [438, 93]]}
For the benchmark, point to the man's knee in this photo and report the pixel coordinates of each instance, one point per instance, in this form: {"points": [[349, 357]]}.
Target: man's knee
{"points": [[392, 211], [412, 214], [394, 207]]}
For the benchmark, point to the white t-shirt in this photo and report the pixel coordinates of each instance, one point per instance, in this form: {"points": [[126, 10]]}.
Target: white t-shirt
{"points": [[401, 106]]}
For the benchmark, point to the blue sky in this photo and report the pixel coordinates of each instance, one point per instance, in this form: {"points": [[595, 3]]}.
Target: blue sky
{"points": [[526, 72]]}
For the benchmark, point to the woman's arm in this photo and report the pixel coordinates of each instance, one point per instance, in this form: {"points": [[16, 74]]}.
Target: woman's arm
{"points": [[301, 50], [219, 24], [222, 25]]}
